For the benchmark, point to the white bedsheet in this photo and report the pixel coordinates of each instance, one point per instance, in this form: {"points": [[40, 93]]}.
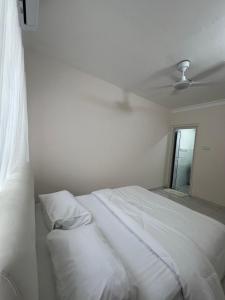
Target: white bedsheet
{"points": [[134, 208], [154, 279], [206, 233], [87, 268], [153, 276]]}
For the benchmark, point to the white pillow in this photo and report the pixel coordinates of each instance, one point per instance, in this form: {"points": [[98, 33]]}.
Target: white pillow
{"points": [[86, 268], [62, 211]]}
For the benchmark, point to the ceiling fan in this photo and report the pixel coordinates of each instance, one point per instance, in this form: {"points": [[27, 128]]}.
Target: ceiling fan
{"points": [[184, 82]]}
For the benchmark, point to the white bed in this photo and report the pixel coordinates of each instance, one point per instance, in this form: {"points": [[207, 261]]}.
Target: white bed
{"points": [[153, 276], [150, 279]]}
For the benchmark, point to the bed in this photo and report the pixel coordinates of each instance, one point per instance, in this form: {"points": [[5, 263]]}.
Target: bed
{"points": [[152, 274]]}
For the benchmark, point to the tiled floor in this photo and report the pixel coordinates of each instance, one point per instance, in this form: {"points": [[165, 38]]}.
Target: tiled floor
{"points": [[184, 188], [205, 207]]}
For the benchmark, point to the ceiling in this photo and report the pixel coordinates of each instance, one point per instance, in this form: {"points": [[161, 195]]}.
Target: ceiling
{"points": [[135, 44]]}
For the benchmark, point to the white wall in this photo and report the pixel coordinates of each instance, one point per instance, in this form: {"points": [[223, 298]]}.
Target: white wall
{"points": [[85, 133], [208, 179]]}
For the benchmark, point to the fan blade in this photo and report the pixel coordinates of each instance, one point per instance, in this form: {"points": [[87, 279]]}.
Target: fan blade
{"points": [[200, 84], [166, 72], [209, 71]]}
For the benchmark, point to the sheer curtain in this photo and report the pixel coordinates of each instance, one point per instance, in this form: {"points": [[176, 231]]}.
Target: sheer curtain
{"points": [[13, 109]]}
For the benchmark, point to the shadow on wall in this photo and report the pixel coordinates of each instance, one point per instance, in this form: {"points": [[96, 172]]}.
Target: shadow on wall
{"points": [[110, 149], [126, 104], [87, 134]]}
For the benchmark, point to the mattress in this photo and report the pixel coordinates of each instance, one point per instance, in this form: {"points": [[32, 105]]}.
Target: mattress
{"points": [[152, 275]]}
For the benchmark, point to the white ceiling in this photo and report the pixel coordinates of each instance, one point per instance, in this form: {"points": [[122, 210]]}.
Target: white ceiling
{"points": [[134, 43]]}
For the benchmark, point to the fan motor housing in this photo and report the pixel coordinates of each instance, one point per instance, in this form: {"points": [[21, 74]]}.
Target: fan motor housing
{"points": [[183, 65], [181, 85]]}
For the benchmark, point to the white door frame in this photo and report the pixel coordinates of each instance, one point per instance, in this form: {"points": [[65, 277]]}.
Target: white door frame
{"points": [[170, 148]]}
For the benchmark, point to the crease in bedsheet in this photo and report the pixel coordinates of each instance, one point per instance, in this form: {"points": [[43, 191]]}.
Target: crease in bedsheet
{"points": [[163, 256], [176, 216], [192, 269], [182, 220]]}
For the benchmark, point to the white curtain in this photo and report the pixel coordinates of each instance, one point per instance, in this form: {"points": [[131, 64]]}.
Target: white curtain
{"points": [[13, 108]]}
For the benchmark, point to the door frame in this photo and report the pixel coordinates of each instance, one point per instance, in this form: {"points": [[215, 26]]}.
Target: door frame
{"points": [[170, 151], [174, 150]]}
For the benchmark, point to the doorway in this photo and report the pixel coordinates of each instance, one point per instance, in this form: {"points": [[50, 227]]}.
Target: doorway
{"points": [[182, 159]]}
